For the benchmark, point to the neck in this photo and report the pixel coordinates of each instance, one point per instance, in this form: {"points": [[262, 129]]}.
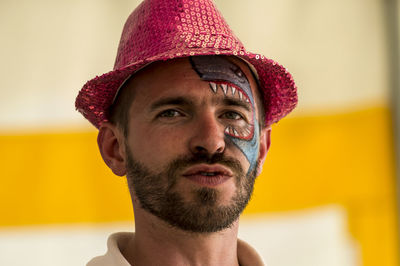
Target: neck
{"points": [[156, 243]]}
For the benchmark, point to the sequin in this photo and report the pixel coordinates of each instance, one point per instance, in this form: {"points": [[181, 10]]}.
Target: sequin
{"points": [[174, 29]]}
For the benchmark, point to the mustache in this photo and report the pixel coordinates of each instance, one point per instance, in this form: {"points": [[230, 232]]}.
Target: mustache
{"points": [[218, 158], [171, 170]]}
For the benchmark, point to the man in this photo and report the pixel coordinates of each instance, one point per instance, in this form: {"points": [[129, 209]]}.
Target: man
{"points": [[186, 116]]}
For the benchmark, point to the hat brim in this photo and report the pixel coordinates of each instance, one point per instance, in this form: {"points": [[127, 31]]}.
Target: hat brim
{"points": [[276, 85]]}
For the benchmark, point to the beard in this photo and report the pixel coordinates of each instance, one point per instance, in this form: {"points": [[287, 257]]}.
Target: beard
{"points": [[203, 214]]}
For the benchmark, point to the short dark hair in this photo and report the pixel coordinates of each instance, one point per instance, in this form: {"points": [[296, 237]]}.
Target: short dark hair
{"points": [[259, 98], [118, 113]]}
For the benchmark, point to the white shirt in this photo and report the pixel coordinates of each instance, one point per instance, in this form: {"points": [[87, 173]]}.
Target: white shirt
{"points": [[247, 255]]}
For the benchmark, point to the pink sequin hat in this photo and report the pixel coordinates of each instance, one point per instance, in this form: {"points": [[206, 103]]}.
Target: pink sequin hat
{"points": [[167, 29]]}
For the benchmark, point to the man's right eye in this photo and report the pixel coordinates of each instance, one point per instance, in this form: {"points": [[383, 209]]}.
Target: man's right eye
{"points": [[170, 113]]}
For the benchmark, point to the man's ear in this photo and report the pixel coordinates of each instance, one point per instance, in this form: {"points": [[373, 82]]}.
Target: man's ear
{"points": [[111, 145], [265, 143]]}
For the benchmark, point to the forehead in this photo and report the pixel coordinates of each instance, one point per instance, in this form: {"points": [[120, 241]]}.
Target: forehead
{"points": [[176, 77]]}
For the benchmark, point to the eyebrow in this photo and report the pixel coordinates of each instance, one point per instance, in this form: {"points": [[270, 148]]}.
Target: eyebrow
{"points": [[236, 102], [170, 101]]}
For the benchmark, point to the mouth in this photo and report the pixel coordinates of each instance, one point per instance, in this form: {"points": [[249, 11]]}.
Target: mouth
{"points": [[208, 175]]}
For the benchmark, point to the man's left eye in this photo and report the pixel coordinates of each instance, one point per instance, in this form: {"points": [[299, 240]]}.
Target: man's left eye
{"points": [[232, 115]]}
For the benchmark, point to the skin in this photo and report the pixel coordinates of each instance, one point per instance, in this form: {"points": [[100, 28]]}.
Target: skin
{"points": [[228, 80], [157, 135]]}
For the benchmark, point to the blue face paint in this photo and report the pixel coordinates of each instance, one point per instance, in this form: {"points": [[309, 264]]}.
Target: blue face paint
{"points": [[228, 79]]}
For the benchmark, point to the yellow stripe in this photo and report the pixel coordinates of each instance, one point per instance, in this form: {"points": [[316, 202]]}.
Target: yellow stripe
{"points": [[58, 178], [345, 159]]}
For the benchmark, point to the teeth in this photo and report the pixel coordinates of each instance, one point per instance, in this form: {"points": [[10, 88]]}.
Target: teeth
{"points": [[240, 95], [247, 100], [227, 130], [213, 86], [233, 90], [207, 173], [224, 88], [235, 133]]}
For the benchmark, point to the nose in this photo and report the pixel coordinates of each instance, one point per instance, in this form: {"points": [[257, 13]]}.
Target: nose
{"points": [[208, 135]]}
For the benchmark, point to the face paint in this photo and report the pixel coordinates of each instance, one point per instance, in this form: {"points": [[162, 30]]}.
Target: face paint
{"points": [[243, 131], [228, 79]]}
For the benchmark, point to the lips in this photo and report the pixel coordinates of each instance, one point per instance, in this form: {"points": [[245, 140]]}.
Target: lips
{"points": [[208, 175]]}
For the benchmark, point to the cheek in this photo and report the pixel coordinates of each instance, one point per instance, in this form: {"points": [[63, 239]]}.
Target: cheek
{"points": [[248, 146], [234, 150], [156, 147]]}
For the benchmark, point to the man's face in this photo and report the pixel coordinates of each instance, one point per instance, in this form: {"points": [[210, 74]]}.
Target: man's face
{"points": [[193, 142]]}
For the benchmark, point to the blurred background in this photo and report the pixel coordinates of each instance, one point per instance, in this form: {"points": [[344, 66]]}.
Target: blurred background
{"points": [[327, 195]]}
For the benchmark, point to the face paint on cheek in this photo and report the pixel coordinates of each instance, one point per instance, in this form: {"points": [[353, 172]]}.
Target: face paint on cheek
{"points": [[245, 135], [248, 147], [227, 79]]}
